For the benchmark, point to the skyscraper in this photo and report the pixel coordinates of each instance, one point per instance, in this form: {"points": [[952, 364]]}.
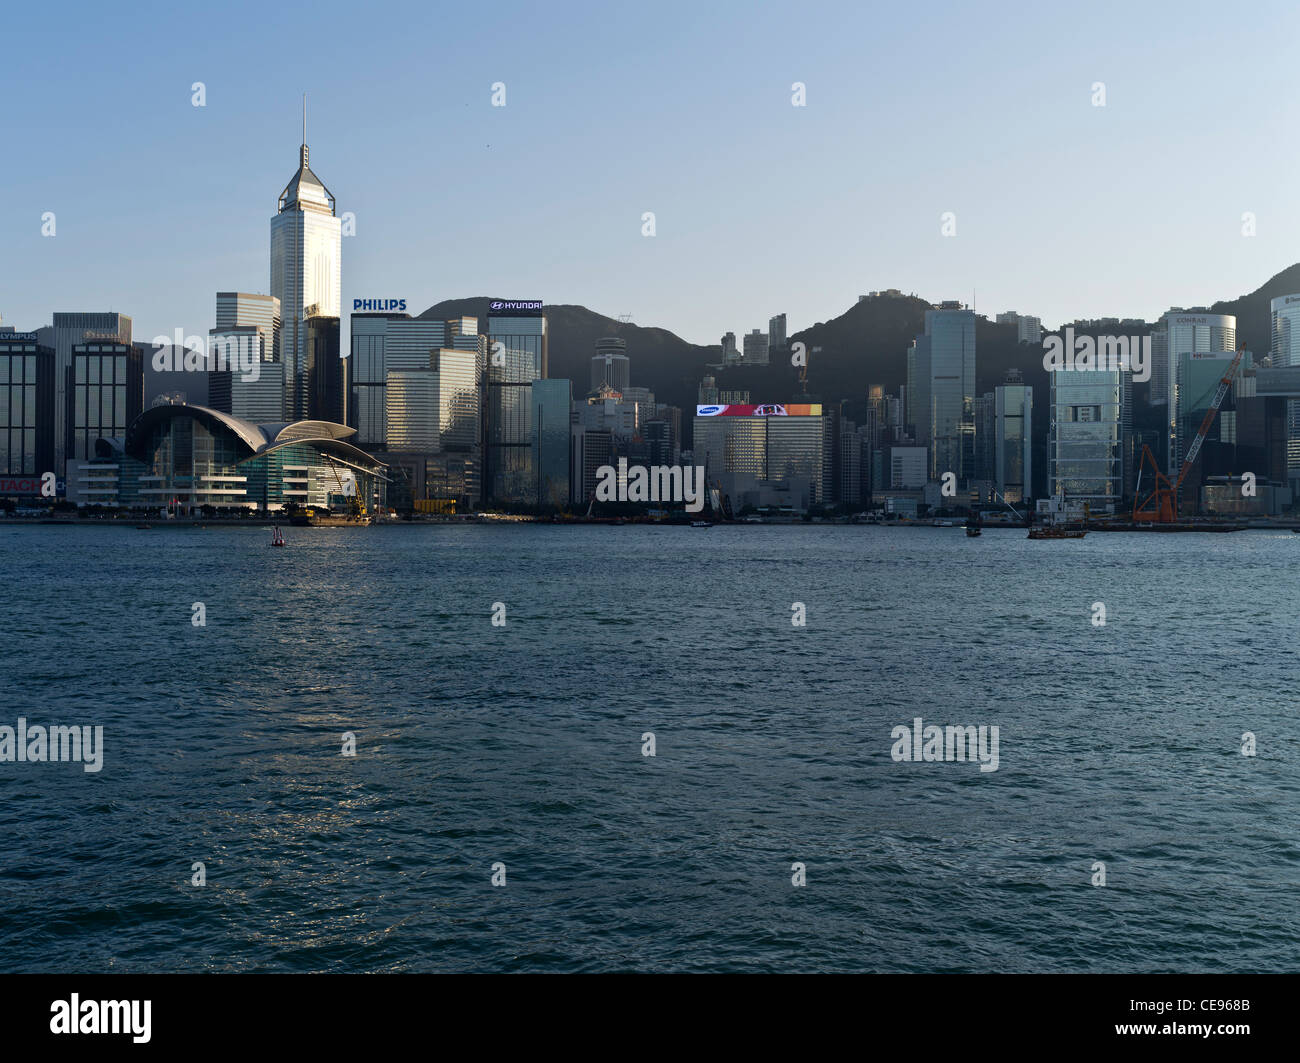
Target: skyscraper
{"points": [[68, 330], [951, 330], [517, 355], [551, 404], [755, 348], [776, 335], [1091, 419], [610, 364], [1013, 463], [306, 272], [106, 394], [26, 406], [248, 325], [240, 309], [1181, 332], [1284, 352], [917, 415], [323, 370], [383, 342]]}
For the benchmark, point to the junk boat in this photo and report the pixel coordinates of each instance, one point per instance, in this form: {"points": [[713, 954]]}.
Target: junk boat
{"points": [[277, 537]]}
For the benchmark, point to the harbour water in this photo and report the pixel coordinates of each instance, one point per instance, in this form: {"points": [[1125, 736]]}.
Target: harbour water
{"points": [[521, 744]]}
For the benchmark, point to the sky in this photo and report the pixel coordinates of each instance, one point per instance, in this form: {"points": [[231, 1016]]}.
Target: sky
{"points": [[1063, 209]]}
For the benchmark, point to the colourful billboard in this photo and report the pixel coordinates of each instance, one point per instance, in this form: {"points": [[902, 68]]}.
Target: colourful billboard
{"points": [[779, 409]]}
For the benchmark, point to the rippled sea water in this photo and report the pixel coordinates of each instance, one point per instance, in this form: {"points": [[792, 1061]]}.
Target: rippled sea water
{"points": [[522, 744]]}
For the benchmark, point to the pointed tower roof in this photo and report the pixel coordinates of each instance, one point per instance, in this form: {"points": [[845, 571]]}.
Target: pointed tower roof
{"points": [[305, 191]]}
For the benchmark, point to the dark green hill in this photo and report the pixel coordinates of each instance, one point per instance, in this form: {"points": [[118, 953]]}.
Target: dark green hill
{"points": [[865, 345]]}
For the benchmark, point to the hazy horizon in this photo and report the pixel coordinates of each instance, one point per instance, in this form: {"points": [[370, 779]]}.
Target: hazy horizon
{"points": [[1063, 209]]}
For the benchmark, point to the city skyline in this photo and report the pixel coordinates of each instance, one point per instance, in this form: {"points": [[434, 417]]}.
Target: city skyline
{"points": [[1047, 226]]}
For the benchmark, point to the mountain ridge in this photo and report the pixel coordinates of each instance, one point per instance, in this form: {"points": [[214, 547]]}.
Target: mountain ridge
{"points": [[864, 345]]}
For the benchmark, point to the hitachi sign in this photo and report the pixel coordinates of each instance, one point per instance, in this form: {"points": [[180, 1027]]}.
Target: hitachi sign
{"points": [[378, 305]]}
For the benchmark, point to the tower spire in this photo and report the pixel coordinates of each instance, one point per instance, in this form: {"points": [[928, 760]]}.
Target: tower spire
{"points": [[304, 129]]}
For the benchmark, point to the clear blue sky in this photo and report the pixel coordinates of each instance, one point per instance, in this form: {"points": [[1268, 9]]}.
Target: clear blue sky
{"points": [[1063, 209]]}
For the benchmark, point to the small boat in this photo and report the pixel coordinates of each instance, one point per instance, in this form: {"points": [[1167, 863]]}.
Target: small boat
{"points": [[974, 526], [277, 537], [701, 524], [143, 527]]}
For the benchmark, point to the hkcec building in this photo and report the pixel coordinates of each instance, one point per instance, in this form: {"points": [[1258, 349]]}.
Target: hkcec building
{"points": [[183, 457]]}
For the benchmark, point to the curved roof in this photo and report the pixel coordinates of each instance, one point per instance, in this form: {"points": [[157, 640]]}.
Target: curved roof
{"points": [[259, 439], [330, 445], [249, 434], [295, 430]]}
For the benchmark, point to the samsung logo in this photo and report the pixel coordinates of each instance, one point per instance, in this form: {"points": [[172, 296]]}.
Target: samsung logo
{"points": [[378, 304]]}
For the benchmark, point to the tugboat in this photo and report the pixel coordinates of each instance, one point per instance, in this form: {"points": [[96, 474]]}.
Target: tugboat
{"points": [[277, 538]]}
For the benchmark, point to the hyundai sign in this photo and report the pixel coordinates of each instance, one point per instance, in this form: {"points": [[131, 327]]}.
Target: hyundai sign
{"points": [[516, 307]]}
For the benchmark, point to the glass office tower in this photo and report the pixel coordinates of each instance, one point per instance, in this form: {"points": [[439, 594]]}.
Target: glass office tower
{"points": [[411, 401], [552, 401], [26, 406], [383, 342], [1284, 352], [306, 275], [106, 394], [918, 390], [951, 331], [259, 401], [246, 309], [1182, 333], [458, 398], [323, 370], [1013, 456], [516, 356], [796, 449], [248, 325], [1091, 419], [67, 330]]}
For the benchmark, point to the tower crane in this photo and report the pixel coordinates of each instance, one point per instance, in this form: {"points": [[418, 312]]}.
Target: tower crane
{"points": [[1160, 506]]}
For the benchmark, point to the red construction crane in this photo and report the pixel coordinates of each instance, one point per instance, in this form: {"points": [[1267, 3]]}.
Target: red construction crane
{"points": [[1161, 505]]}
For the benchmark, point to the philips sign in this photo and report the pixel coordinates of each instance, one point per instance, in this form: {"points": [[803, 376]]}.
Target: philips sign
{"points": [[390, 305]]}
